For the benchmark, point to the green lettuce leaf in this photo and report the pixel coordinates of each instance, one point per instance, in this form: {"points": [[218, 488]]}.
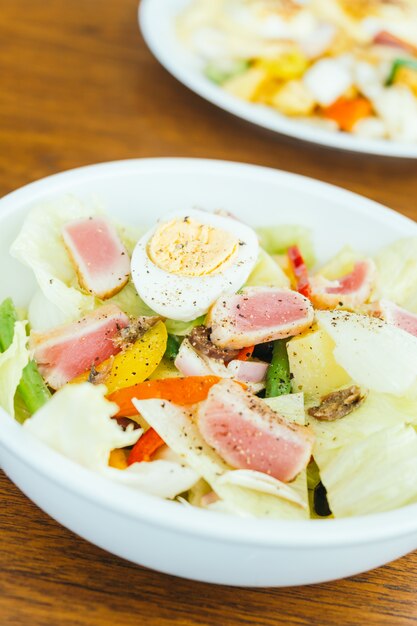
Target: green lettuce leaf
{"points": [[162, 478], [130, 302], [291, 407], [376, 355], [182, 329], [397, 273], [277, 240], [12, 363], [130, 235], [219, 71], [364, 458], [373, 475], [77, 423], [378, 411]]}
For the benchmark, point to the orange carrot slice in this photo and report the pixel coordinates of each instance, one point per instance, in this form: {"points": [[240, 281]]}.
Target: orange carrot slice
{"points": [[346, 112], [182, 391]]}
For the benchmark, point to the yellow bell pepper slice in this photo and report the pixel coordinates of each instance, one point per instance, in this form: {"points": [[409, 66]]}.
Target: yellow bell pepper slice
{"points": [[289, 65], [118, 459], [134, 364]]}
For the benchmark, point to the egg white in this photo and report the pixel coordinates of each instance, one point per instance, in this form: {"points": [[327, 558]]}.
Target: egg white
{"points": [[184, 298]]}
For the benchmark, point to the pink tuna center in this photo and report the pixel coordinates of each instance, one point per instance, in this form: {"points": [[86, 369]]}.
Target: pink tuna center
{"points": [[245, 446], [74, 356], [407, 321], [351, 282], [266, 310], [95, 242]]}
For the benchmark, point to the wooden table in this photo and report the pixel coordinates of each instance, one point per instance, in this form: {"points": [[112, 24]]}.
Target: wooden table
{"points": [[79, 86]]}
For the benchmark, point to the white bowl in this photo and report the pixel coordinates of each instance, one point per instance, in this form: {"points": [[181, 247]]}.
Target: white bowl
{"points": [[157, 23], [163, 535]]}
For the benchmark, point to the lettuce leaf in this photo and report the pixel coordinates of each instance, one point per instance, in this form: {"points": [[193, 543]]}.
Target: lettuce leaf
{"points": [[12, 363], [196, 493], [397, 273], [291, 407], [277, 240], [365, 457], [379, 411], [130, 235], [44, 314], [372, 475], [182, 329], [129, 301], [77, 423], [221, 70], [162, 478], [376, 355]]}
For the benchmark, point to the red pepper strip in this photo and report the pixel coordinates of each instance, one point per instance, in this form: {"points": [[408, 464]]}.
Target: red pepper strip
{"points": [[385, 38], [300, 271], [145, 447], [245, 353]]}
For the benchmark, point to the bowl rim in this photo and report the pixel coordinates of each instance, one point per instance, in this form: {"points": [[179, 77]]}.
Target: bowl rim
{"points": [[149, 18], [153, 510]]}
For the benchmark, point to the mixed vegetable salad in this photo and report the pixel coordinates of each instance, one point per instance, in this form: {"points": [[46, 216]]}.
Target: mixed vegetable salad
{"points": [[215, 364], [343, 65]]}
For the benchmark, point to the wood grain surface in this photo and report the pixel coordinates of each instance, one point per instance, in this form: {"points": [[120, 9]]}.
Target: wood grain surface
{"points": [[78, 86]]}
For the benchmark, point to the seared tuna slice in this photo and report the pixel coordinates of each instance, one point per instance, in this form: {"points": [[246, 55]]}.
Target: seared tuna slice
{"points": [[101, 261], [69, 350], [247, 434], [348, 291], [257, 315], [394, 314]]}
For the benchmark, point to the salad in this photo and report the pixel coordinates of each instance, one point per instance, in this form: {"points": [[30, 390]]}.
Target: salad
{"points": [[211, 363], [343, 65]]}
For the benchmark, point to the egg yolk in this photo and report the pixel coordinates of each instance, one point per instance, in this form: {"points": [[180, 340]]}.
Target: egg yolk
{"points": [[187, 248]]}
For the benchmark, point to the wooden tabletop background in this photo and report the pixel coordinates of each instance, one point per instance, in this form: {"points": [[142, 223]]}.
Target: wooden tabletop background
{"points": [[79, 86]]}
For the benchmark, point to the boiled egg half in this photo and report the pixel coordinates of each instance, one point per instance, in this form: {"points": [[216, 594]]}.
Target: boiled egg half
{"points": [[189, 259]]}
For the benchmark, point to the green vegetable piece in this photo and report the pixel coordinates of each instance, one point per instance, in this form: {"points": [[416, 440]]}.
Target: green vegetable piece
{"points": [[397, 64], [21, 412], [277, 240], [173, 345], [278, 378], [313, 475], [32, 393], [182, 329], [219, 72], [32, 388], [8, 317]]}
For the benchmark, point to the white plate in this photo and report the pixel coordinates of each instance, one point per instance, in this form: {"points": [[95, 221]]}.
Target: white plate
{"points": [[164, 535], [157, 22]]}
